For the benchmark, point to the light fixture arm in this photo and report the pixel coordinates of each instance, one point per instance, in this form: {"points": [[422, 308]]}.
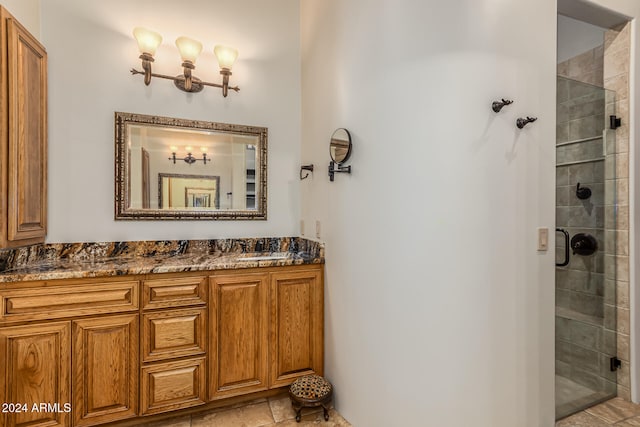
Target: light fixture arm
{"points": [[146, 66], [188, 82], [180, 79]]}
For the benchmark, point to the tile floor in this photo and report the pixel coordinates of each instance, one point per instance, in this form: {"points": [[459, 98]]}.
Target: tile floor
{"points": [[273, 412], [615, 412]]}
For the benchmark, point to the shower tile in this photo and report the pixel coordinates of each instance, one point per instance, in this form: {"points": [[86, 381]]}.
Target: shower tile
{"points": [[614, 39], [562, 89], [563, 368], [563, 68], [591, 216], [592, 263], [617, 268], [586, 282], [581, 64], [563, 195], [585, 335], [619, 144], [623, 321], [587, 377], [588, 173], [610, 292], [591, 305], [562, 216], [563, 298], [605, 366], [597, 195], [562, 175], [563, 352], [624, 393], [617, 217], [562, 133], [622, 346], [562, 113], [616, 62], [622, 294], [587, 109], [610, 317], [619, 84], [563, 328], [586, 127], [608, 341], [617, 242]]}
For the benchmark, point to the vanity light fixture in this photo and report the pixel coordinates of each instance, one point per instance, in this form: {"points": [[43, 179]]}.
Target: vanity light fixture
{"points": [[190, 158], [148, 42]]}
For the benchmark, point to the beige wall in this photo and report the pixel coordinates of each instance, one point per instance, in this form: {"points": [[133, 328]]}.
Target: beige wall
{"points": [[27, 12]]}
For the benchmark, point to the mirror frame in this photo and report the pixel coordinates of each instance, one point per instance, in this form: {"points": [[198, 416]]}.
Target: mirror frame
{"points": [[122, 169]]}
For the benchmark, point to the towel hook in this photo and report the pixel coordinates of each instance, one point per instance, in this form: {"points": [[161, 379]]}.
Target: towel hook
{"points": [[523, 122], [305, 168], [497, 105]]}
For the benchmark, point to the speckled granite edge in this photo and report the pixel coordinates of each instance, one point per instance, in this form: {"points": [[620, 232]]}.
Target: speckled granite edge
{"points": [[97, 259]]}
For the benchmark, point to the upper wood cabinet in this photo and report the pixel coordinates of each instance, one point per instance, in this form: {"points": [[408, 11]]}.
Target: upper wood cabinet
{"points": [[23, 135]]}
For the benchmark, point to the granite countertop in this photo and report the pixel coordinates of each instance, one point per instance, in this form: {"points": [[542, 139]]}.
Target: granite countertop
{"points": [[104, 259]]}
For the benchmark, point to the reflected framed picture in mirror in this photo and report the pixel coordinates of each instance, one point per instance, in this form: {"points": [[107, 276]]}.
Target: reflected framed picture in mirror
{"points": [[203, 170]]}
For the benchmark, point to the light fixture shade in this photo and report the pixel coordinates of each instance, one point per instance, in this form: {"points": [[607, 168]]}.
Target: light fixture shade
{"points": [[226, 56], [189, 48], [148, 41]]}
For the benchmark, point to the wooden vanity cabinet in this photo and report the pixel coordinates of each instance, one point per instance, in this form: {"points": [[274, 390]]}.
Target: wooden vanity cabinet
{"points": [[132, 346], [297, 324], [35, 368], [239, 334], [72, 346], [23, 135]]}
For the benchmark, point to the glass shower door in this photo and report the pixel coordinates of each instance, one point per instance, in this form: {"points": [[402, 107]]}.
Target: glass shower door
{"points": [[585, 213]]}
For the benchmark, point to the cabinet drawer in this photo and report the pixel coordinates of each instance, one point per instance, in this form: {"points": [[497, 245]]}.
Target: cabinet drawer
{"points": [[174, 333], [173, 385], [69, 300], [176, 292]]}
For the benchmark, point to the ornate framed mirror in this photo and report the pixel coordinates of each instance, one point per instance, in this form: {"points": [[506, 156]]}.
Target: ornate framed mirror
{"points": [[168, 168]]}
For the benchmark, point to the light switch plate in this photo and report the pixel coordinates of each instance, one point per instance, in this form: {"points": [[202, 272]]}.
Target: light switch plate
{"points": [[317, 228], [543, 239]]}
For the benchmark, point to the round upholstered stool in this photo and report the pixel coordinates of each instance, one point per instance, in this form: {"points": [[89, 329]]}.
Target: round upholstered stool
{"points": [[311, 391]]}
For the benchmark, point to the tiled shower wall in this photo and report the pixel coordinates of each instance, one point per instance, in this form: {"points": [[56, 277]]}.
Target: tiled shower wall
{"points": [[583, 346], [616, 78], [607, 276]]}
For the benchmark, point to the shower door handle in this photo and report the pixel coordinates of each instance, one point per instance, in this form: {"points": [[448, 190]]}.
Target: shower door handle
{"points": [[566, 247]]}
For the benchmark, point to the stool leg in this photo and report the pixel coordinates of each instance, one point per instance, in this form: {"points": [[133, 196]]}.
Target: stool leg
{"points": [[298, 416], [326, 413]]}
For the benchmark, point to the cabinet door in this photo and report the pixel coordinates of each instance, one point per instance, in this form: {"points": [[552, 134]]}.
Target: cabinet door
{"points": [[296, 325], [34, 370], [239, 334], [105, 369], [27, 162]]}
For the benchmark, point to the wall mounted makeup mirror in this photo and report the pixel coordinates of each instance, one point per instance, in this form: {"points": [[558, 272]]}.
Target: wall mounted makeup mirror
{"points": [[168, 168], [339, 150]]}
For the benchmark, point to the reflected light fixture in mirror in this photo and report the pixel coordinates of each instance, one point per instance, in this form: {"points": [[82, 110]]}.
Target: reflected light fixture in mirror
{"points": [[189, 158], [190, 49]]}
